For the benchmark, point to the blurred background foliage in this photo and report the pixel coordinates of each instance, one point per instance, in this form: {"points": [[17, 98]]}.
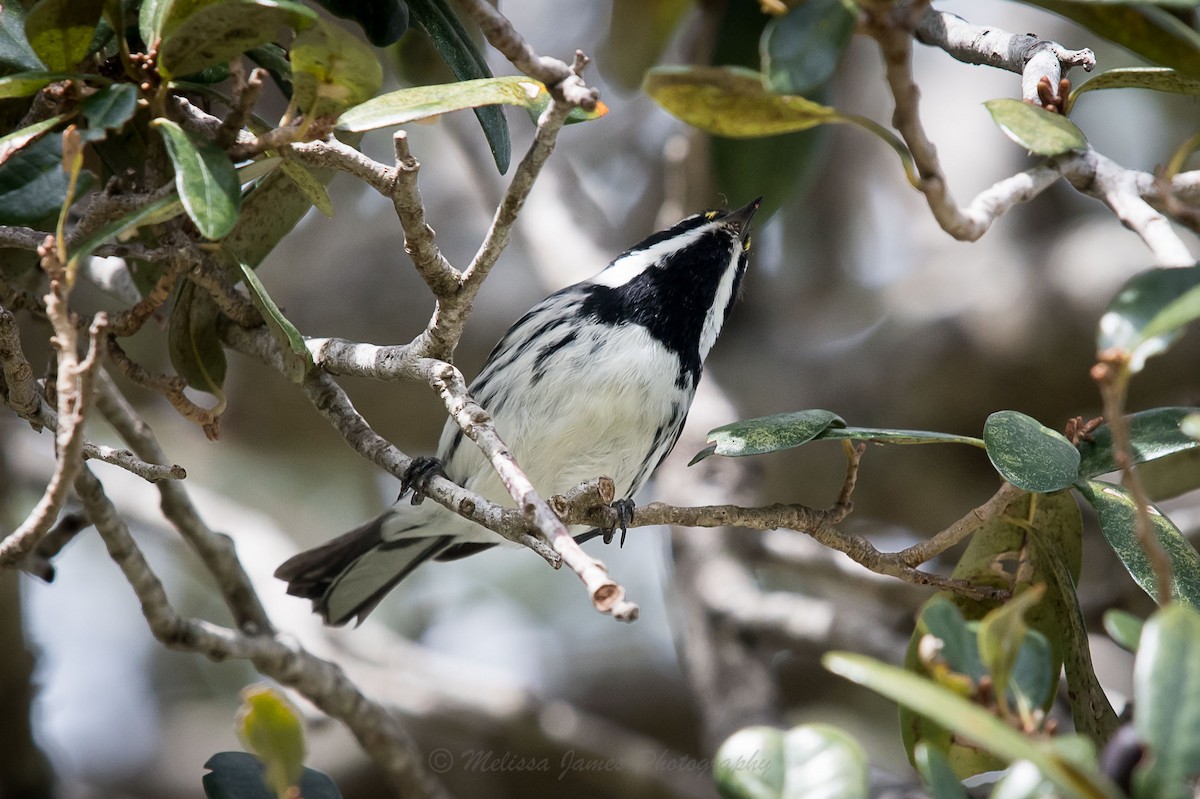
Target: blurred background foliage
{"points": [[856, 301]]}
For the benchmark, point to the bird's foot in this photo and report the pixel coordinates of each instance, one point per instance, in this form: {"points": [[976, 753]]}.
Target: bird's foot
{"points": [[624, 509], [416, 477]]}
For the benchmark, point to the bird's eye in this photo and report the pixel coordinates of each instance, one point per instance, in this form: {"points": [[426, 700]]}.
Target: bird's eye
{"points": [[710, 215]]}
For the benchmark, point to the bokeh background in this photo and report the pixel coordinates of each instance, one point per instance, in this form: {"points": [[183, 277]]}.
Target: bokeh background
{"points": [[856, 302]]}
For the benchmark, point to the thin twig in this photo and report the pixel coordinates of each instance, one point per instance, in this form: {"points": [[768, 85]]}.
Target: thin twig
{"points": [[321, 682], [74, 391], [215, 551], [21, 389]]}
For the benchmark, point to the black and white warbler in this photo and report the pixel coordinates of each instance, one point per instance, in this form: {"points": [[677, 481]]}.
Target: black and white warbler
{"points": [[596, 380]]}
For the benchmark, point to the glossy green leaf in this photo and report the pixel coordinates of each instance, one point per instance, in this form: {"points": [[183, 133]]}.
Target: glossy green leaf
{"points": [[1153, 33], [240, 775], [382, 21], [969, 722], [1154, 434], [297, 359], [1149, 313], [269, 212], [454, 45], [878, 435], [206, 181], [936, 773], [801, 50], [1159, 79], [271, 729], [14, 142], [1123, 628], [110, 107], [1166, 693], [768, 433], [27, 84], [193, 342], [332, 71], [61, 31], [1117, 513], [1028, 454], [1036, 129], [216, 33], [815, 761], [15, 53], [421, 102], [32, 182]]}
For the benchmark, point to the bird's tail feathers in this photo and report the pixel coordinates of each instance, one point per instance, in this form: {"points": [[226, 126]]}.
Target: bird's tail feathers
{"points": [[348, 576]]}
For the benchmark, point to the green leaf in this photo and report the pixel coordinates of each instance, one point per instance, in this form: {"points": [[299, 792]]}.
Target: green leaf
{"points": [[193, 342], [1117, 513], [1153, 434], [32, 182], [18, 140], [1158, 79], [1172, 476], [750, 764], [935, 771], [768, 433], [61, 31], [1190, 426], [1002, 637], [421, 102], [216, 33], [1028, 454], [878, 435], [969, 722], [332, 71], [27, 84], [1152, 33], [160, 210], [1123, 628], [638, 32], [274, 60], [308, 184], [300, 361], [205, 179], [731, 101], [455, 47], [270, 727], [815, 761], [383, 21], [15, 53], [1036, 129], [1149, 313], [1166, 693], [801, 51], [240, 775], [110, 107]]}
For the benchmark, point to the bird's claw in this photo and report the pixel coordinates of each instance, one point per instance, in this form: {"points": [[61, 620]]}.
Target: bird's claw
{"points": [[624, 509], [416, 477]]}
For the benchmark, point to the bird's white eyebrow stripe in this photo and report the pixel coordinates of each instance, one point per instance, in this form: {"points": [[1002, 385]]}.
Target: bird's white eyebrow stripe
{"points": [[632, 264]]}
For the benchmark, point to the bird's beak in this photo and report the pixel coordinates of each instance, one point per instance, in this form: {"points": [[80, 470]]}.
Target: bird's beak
{"points": [[739, 220]]}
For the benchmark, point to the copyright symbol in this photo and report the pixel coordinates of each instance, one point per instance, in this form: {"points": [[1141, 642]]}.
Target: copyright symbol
{"points": [[441, 761]]}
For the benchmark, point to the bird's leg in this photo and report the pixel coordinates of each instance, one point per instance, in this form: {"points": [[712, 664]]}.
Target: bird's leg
{"points": [[624, 509], [416, 477]]}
